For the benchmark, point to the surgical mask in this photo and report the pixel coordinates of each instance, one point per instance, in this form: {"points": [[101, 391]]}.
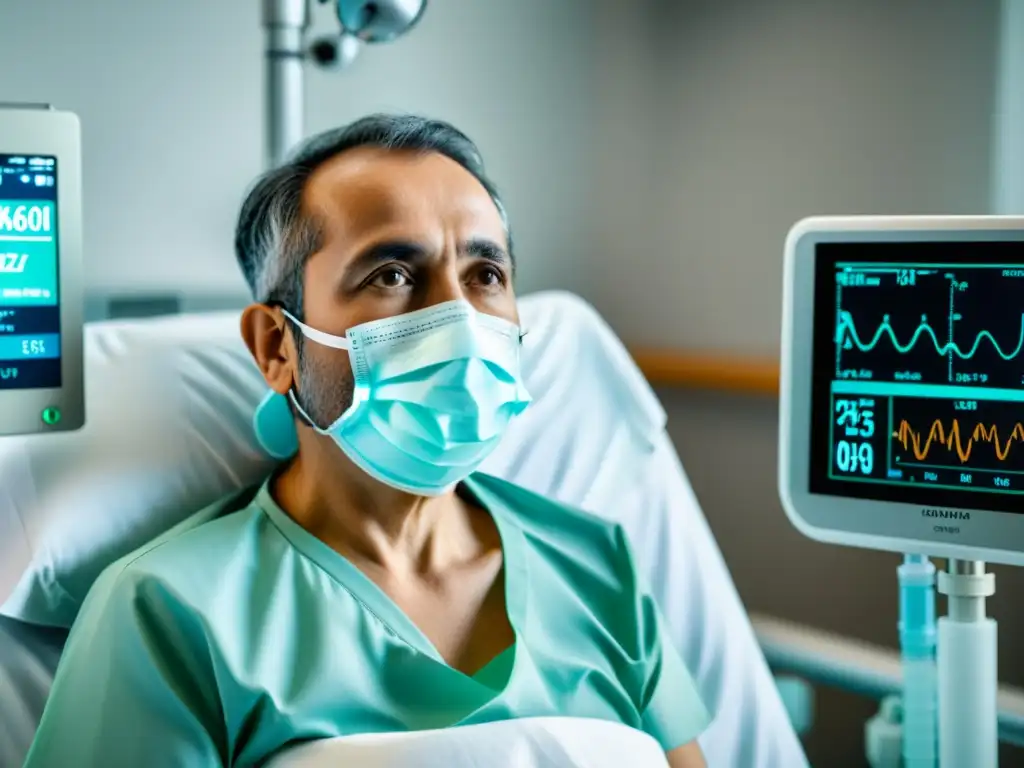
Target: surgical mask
{"points": [[434, 391]]}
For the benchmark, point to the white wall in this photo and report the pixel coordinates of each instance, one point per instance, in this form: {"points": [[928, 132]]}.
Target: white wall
{"points": [[170, 96], [653, 153], [753, 115], [1008, 135]]}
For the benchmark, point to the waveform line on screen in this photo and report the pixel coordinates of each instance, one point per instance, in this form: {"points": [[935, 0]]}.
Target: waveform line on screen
{"points": [[911, 440], [846, 326]]}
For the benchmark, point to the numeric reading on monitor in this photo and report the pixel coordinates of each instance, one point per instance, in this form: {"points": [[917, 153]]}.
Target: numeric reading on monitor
{"points": [[928, 381], [29, 301]]}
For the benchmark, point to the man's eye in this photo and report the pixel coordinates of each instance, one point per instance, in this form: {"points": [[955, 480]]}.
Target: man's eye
{"points": [[490, 276], [391, 278]]}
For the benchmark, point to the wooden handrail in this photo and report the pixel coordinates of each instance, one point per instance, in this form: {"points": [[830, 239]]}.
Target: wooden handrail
{"points": [[719, 373]]}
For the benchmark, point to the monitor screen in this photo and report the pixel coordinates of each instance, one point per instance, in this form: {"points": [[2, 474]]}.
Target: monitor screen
{"points": [[30, 337], [918, 373]]}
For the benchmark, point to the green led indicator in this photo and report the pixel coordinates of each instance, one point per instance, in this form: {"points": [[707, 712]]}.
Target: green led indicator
{"points": [[51, 416]]}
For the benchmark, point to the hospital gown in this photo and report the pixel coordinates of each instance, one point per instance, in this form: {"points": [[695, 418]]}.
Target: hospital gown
{"points": [[239, 633]]}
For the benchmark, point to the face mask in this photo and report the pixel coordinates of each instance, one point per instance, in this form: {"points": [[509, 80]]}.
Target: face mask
{"points": [[434, 391]]}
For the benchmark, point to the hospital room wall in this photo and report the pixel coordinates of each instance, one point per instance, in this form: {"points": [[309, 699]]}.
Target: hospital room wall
{"points": [[760, 114], [725, 121], [171, 101]]}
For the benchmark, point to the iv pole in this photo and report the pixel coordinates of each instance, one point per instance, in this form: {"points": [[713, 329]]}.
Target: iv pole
{"points": [[968, 678]]}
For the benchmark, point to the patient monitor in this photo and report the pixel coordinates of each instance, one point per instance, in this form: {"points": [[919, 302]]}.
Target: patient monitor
{"points": [[902, 429], [902, 384], [40, 271]]}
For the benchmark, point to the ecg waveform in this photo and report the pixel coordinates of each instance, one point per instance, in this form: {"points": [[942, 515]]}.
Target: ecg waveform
{"points": [[846, 332], [952, 440]]}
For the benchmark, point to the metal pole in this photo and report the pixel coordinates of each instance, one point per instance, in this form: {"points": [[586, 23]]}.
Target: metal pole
{"points": [[967, 669], [285, 23]]}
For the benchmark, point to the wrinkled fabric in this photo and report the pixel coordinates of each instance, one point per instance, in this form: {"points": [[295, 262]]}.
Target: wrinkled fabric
{"points": [[433, 393], [28, 656], [240, 633]]}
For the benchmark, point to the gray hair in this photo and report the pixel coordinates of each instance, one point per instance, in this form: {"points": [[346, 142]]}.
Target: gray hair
{"points": [[274, 237]]}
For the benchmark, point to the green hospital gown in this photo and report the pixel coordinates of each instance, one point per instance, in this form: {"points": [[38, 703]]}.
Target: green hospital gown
{"points": [[239, 633]]}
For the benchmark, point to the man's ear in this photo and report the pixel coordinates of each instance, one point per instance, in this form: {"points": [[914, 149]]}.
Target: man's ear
{"points": [[271, 346]]}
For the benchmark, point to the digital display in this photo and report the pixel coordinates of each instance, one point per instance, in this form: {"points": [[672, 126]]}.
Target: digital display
{"points": [[918, 373], [30, 341]]}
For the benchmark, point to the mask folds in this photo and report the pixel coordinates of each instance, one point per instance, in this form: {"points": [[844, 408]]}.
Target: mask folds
{"points": [[434, 392]]}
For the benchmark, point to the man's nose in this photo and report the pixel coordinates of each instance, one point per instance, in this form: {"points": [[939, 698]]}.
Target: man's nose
{"points": [[445, 283]]}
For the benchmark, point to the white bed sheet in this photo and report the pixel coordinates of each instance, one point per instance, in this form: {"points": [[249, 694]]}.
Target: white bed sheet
{"points": [[535, 742], [28, 658]]}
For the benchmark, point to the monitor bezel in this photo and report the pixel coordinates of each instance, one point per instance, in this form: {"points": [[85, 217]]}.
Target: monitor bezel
{"points": [[996, 537], [45, 132]]}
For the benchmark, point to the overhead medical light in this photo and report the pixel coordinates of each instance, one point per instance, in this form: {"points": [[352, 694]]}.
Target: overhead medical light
{"points": [[378, 22], [286, 23]]}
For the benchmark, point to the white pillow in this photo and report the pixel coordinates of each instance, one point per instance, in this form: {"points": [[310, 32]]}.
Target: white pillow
{"points": [[168, 411], [169, 405]]}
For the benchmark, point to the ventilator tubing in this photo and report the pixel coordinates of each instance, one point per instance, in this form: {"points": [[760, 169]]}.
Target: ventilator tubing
{"points": [[917, 644], [967, 670]]}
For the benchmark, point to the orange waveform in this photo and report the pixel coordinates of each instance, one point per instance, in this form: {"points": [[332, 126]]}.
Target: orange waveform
{"points": [[910, 439]]}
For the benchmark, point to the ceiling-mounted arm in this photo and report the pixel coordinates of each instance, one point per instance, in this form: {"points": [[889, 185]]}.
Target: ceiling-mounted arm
{"points": [[285, 23]]}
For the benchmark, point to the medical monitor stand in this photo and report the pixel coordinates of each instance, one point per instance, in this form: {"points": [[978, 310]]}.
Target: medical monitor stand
{"points": [[901, 395], [41, 281]]}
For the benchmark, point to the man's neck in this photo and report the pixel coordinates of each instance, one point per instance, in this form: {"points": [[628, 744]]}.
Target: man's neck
{"points": [[368, 521]]}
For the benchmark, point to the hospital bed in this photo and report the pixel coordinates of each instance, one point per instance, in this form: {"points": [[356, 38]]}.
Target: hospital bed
{"points": [[170, 402]]}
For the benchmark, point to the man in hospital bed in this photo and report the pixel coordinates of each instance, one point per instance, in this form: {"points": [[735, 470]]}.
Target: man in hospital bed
{"points": [[374, 583]]}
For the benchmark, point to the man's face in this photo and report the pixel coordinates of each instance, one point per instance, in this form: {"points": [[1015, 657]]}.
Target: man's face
{"points": [[401, 231]]}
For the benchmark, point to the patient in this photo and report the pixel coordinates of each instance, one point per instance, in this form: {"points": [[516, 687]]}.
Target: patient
{"points": [[375, 583]]}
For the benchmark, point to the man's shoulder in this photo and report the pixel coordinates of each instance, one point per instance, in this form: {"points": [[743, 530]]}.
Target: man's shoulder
{"points": [[190, 558]]}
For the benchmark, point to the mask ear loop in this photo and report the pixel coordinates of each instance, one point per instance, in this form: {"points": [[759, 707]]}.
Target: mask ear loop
{"points": [[302, 412], [327, 340]]}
